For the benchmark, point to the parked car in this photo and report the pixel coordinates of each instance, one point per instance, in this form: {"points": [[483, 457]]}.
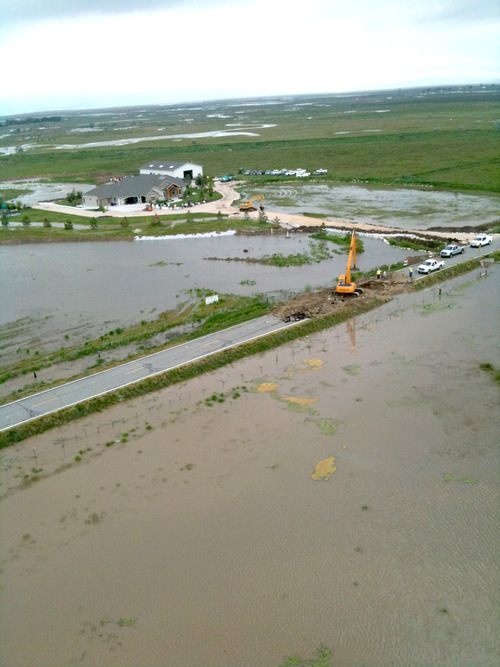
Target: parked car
{"points": [[481, 240], [302, 174], [430, 265], [452, 250], [318, 172]]}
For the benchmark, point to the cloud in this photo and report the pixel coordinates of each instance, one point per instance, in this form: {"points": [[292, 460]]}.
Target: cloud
{"points": [[459, 11], [15, 11], [98, 52]]}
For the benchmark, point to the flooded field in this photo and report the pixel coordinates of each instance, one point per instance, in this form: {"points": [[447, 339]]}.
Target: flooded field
{"points": [[82, 290], [405, 208], [41, 191], [199, 537]]}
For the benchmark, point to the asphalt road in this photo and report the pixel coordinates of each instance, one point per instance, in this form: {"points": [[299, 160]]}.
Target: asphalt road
{"points": [[469, 253], [71, 393]]}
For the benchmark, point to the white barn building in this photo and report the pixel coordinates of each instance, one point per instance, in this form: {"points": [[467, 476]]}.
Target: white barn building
{"points": [[173, 169]]}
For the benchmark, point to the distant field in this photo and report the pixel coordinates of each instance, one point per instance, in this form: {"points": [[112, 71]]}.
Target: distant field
{"points": [[445, 137]]}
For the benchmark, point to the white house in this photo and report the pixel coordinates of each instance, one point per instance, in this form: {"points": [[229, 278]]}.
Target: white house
{"points": [[174, 169]]}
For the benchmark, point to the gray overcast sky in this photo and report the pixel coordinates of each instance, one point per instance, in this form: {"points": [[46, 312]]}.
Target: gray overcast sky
{"points": [[64, 54]]}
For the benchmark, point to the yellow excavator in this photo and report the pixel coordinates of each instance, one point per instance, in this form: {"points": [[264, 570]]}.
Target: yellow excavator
{"points": [[248, 205], [345, 287]]}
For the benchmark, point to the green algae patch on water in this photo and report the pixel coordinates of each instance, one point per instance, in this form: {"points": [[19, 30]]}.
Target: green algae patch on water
{"points": [[328, 426], [462, 480], [352, 369], [324, 469]]}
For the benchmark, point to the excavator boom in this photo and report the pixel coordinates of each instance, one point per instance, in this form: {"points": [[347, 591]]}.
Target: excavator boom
{"points": [[345, 286]]}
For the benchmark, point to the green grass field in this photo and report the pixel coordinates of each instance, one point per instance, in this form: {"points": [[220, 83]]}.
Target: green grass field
{"points": [[110, 229], [448, 138]]}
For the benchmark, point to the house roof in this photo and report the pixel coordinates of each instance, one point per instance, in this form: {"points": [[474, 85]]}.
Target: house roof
{"points": [[134, 186], [164, 164]]}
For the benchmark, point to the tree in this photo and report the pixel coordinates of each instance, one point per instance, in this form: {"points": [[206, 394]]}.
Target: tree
{"points": [[219, 215], [124, 222], [5, 220], [26, 220], [199, 180], [68, 224], [47, 223], [263, 217], [18, 205], [101, 208], [93, 223]]}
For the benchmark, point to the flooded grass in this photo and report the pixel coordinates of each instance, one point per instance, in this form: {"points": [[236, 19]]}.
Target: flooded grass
{"points": [[181, 374], [228, 311], [494, 372]]}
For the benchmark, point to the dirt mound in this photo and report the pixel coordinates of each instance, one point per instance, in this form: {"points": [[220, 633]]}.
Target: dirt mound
{"points": [[326, 301]]}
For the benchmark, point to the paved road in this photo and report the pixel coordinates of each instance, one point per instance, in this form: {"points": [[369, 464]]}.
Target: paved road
{"points": [[469, 253], [51, 400]]}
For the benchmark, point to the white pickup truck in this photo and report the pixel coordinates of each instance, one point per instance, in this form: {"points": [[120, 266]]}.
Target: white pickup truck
{"points": [[482, 239], [430, 265]]}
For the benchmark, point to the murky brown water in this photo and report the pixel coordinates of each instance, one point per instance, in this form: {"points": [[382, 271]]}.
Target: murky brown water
{"points": [[83, 290], [207, 538]]}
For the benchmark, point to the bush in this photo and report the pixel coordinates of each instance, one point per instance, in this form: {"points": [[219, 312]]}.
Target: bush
{"points": [[68, 224], [47, 223], [26, 221]]}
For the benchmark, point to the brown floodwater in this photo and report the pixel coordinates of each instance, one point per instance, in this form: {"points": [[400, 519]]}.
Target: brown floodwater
{"points": [[202, 539]]}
